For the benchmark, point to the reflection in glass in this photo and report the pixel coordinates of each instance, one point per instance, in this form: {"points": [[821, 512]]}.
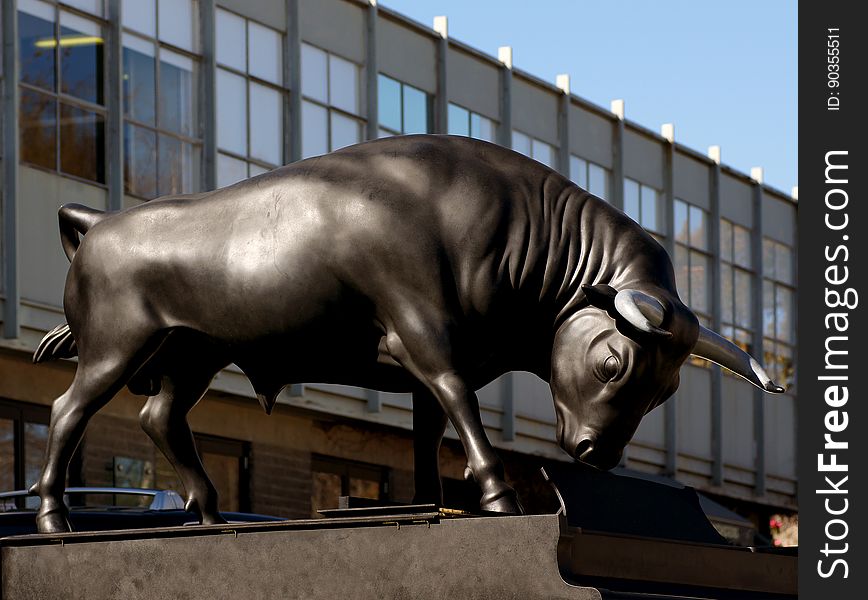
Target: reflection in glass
{"points": [[725, 240], [784, 311], [459, 120], [598, 181], [389, 102], [415, 110], [140, 161], [769, 259], [680, 222], [743, 299], [38, 122], [176, 166], [177, 22], [698, 230], [325, 489], [230, 170], [631, 199], [37, 45], [266, 53], [81, 58], [579, 172], [649, 208], [783, 263], [231, 42], [35, 438], [314, 69], [343, 84], [344, 131], [727, 313], [266, 124], [139, 80], [7, 455], [741, 246], [768, 309], [225, 472], [231, 112], [314, 130], [176, 108], [682, 270], [364, 488], [481, 127], [700, 282], [82, 143], [542, 152], [520, 142]]}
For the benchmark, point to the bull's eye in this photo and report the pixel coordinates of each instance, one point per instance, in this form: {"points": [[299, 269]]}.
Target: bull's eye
{"points": [[608, 369]]}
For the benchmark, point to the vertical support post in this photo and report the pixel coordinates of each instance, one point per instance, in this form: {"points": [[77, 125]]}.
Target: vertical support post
{"points": [[504, 131], [617, 199], [292, 81], [716, 318], [375, 400], [441, 100], [11, 325], [208, 93], [670, 413], [371, 73], [563, 83], [756, 174], [114, 108]]}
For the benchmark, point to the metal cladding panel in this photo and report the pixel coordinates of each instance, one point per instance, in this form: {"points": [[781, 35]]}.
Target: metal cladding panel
{"points": [[272, 13], [501, 557], [473, 83], [691, 181], [534, 110], [780, 435], [779, 219], [652, 429], [643, 159], [736, 200], [334, 25], [532, 397], [591, 136], [43, 265], [738, 423], [694, 412], [406, 55]]}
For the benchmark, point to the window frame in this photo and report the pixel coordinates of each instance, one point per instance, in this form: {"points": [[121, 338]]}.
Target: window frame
{"points": [[777, 282], [328, 106], [531, 140], [588, 164], [429, 105], [21, 413], [660, 231], [249, 79], [61, 98], [197, 142], [750, 272], [348, 469], [470, 114]]}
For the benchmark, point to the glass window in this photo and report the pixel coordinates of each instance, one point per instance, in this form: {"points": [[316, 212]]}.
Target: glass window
{"points": [[598, 181], [330, 87], [7, 454], [521, 143], [332, 477], [642, 204], [481, 128], [161, 133], [62, 80], [140, 15], [459, 120], [692, 261], [543, 152], [249, 99], [343, 84], [231, 40], [177, 22], [680, 226], [93, 7], [402, 108], [23, 435], [631, 199], [778, 311], [266, 53], [231, 112], [736, 284], [230, 170], [698, 228], [579, 171], [649, 209]]}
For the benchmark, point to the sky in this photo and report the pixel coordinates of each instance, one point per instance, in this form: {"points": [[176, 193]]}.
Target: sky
{"points": [[723, 72]]}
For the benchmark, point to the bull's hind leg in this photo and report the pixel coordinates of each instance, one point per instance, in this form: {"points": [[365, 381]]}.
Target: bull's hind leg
{"points": [[164, 419], [429, 425]]}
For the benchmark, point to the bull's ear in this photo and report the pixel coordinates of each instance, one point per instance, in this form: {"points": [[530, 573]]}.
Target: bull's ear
{"points": [[601, 295]]}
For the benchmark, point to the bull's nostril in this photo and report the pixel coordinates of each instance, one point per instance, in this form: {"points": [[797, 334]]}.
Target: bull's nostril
{"points": [[585, 447]]}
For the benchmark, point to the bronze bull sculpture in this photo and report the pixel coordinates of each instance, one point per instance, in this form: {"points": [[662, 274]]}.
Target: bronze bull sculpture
{"points": [[424, 264]]}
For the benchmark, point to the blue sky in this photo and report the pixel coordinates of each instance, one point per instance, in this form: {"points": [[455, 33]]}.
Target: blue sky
{"points": [[723, 72]]}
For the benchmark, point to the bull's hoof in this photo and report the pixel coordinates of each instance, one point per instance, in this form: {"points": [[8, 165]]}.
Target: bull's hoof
{"points": [[53, 521], [506, 504]]}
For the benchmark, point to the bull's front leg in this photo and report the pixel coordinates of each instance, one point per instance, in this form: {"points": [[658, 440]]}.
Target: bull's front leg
{"points": [[426, 352]]}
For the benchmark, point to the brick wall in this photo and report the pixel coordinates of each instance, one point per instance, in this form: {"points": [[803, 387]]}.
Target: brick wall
{"points": [[280, 481]]}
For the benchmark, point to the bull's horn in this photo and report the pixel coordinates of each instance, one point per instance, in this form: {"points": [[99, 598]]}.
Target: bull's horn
{"points": [[720, 350], [642, 311]]}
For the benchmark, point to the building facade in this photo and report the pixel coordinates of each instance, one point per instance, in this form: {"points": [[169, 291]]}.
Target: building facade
{"points": [[110, 103]]}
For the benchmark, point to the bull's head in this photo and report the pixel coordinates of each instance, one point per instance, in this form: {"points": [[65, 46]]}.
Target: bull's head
{"points": [[617, 359]]}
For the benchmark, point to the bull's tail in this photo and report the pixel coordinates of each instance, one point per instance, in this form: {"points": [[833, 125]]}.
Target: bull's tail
{"points": [[76, 219], [57, 343]]}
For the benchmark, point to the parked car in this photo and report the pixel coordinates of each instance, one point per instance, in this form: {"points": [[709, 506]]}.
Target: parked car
{"points": [[107, 508]]}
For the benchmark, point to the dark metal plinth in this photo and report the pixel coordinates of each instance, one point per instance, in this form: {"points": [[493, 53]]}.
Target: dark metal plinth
{"points": [[425, 554]]}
